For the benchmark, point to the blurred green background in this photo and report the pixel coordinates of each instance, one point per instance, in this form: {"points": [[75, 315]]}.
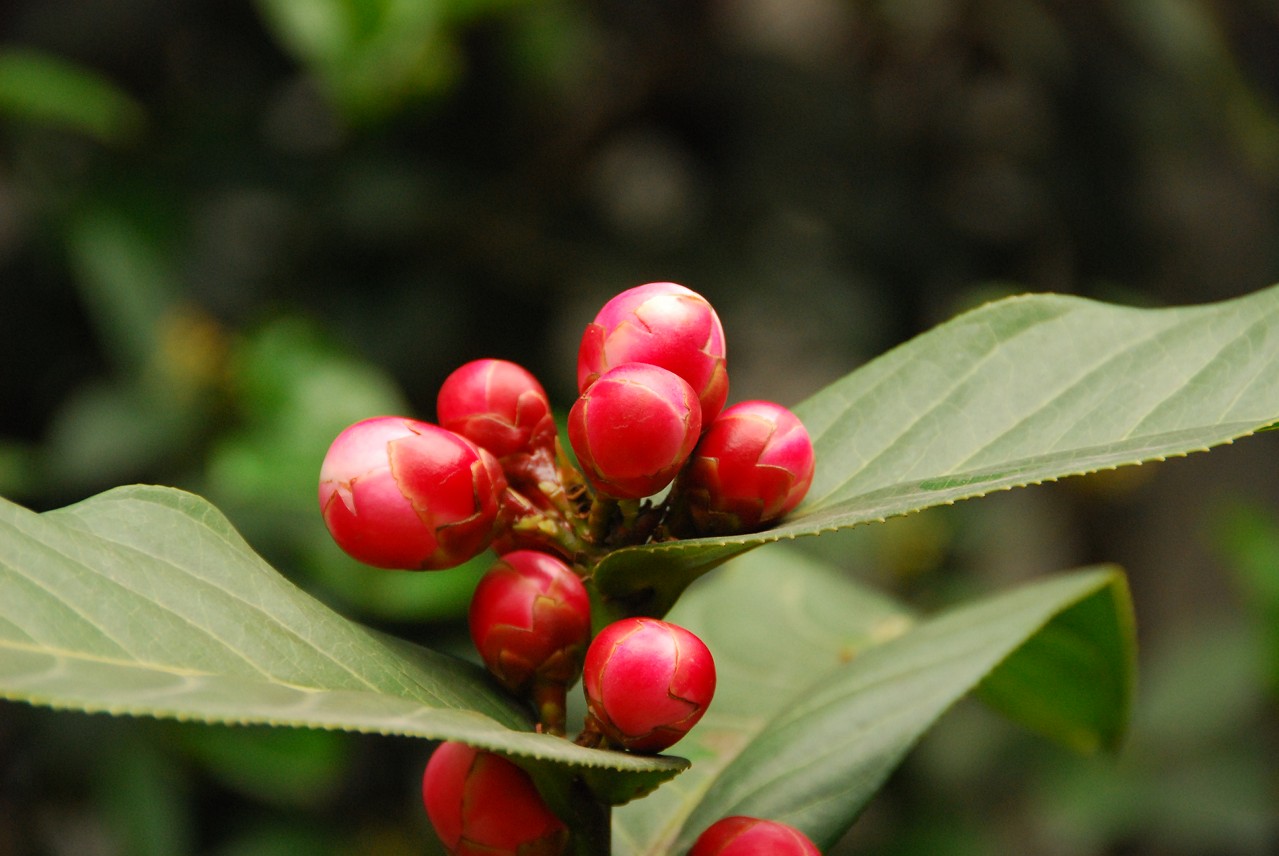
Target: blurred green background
{"points": [[229, 229]]}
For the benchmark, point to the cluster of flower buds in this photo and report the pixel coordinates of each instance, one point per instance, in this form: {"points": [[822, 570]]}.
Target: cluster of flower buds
{"points": [[397, 492], [653, 380]]}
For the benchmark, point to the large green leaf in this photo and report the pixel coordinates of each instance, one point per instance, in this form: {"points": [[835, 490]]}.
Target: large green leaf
{"points": [[1017, 392], [824, 686], [775, 622], [145, 601]]}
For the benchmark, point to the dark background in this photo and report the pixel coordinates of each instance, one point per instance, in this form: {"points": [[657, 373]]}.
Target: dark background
{"points": [[229, 229]]}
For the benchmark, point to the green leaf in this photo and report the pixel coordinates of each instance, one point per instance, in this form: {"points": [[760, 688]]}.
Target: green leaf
{"points": [[126, 280], [1069, 681], [145, 601], [1247, 535], [1018, 392], [289, 767], [372, 56], [829, 746], [775, 622], [43, 88]]}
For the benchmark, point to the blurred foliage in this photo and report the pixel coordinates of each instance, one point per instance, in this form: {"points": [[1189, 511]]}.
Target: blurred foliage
{"points": [[226, 230], [1248, 534], [375, 56], [41, 88]]}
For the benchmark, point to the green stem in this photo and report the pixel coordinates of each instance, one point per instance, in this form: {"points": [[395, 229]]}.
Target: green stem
{"points": [[630, 513], [600, 518], [592, 823], [556, 532], [576, 530], [568, 475], [549, 698]]}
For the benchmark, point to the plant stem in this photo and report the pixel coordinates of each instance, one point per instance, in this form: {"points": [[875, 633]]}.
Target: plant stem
{"points": [[600, 518], [592, 824], [549, 699]]}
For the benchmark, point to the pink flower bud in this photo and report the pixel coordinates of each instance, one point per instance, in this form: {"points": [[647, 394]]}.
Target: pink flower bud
{"points": [[399, 493], [749, 836], [647, 683], [633, 430], [498, 406], [662, 324], [751, 468], [530, 620], [481, 804]]}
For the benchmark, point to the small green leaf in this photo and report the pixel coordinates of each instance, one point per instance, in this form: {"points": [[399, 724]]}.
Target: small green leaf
{"points": [[289, 767], [1018, 392], [1248, 537], [127, 279], [144, 601], [40, 87], [372, 56], [820, 760], [1071, 681]]}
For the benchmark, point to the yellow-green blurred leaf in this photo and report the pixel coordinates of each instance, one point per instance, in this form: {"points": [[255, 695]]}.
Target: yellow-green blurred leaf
{"points": [[43, 88]]}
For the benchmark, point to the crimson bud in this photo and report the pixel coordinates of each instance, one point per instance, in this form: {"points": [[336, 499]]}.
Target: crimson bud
{"points": [[633, 430], [662, 324], [498, 406], [481, 804], [751, 468], [530, 619], [399, 493], [749, 836], [647, 683]]}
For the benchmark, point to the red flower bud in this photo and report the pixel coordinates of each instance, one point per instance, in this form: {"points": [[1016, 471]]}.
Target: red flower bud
{"points": [[749, 836], [399, 493], [481, 804], [647, 683], [530, 620], [662, 324], [751, 468], [498, 406], [633, 430]]}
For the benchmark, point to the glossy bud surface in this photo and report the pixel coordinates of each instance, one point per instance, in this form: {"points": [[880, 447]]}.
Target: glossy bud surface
{"points": [[647, 683], [530, 619], [633, 430], [750, 836], [481, 804], [497, 405], [751, 468], [399, 493], [661, 324]]}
